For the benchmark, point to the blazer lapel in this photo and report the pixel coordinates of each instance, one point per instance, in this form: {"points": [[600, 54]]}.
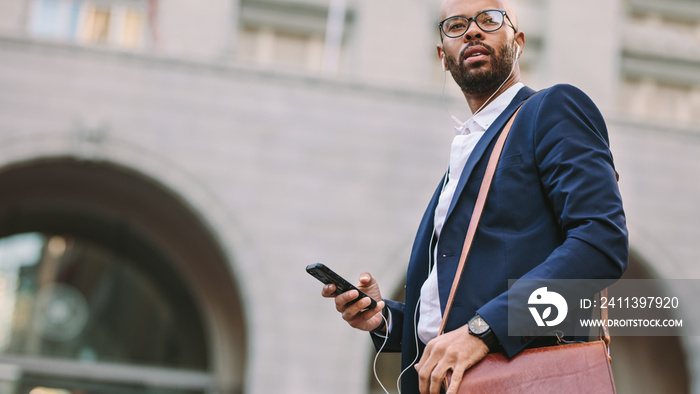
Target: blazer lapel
{"points": [[485, 140]]}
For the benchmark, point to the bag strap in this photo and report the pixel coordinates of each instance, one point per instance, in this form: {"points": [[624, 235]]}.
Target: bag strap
{"points": [[476, 214], [604, 330]]}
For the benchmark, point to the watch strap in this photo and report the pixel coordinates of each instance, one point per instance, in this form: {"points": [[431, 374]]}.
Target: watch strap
{"points": [[489, 338]]}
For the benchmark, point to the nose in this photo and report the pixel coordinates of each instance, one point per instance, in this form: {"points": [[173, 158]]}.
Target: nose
{"points": [[473, 31]]}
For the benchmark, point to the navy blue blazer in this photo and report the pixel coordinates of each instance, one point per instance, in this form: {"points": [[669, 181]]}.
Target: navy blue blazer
{"points": [[554, 211]]}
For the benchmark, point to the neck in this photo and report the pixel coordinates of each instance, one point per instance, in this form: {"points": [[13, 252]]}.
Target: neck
{"points": [[477, 102]]}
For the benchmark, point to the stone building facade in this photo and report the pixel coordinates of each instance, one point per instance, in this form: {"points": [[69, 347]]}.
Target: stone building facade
{"points": [[194, 159]]}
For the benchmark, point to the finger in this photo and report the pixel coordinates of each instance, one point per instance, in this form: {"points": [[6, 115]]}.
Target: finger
{"points": [[345, 300], [455, 381], [365, 302], [461, 367], [436, 379], [328, 291], [423, 378], [380, 307], [424, 358], [424, 369], [358, 308], [433, 367]]}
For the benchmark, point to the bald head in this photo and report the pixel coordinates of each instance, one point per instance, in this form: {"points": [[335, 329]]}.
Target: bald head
{"points": [[457, 7]]}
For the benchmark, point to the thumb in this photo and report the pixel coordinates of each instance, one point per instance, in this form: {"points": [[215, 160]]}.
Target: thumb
{"points": [[366, 279]]}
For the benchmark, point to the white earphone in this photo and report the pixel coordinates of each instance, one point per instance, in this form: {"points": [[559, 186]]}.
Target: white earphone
{"points": [[442, 63], [517, 51]]}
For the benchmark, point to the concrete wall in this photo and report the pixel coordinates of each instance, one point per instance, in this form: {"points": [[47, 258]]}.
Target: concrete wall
{"points": [[289, 170]]}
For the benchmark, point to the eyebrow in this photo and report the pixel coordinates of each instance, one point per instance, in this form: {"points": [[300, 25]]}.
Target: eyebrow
{"points": [[477, 13]]}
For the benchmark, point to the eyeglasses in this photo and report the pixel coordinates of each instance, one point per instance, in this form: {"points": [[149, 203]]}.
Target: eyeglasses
{"points": [[488, 21]]}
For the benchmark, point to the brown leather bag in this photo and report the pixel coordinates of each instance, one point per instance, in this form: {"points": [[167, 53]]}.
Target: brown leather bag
{"points": [[573, 368]]}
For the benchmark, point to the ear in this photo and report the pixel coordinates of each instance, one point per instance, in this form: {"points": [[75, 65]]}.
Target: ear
{"points": [[520, 40], [441, 55]]}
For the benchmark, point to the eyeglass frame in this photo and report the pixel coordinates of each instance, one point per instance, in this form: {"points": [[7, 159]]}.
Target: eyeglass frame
{"points": [[473, 19]]}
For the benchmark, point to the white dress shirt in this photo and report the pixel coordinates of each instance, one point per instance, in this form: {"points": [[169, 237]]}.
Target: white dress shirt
{"points": [[468, 134]]}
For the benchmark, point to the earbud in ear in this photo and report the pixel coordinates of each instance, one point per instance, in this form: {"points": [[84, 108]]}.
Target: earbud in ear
{"points": [[517, 51], [442, 63]]}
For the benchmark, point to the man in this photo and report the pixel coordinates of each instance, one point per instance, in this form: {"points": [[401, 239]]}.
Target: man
{"points": [[554, 209]]}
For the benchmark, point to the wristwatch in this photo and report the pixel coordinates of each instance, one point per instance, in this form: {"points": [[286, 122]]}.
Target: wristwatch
{"points": [[480, 329]]}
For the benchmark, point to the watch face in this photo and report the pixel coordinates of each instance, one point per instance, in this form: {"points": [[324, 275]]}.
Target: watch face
{"points": [[478, 326]]}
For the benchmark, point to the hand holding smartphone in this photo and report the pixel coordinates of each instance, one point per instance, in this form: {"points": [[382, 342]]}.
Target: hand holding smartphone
{"points": [[327, 276]]}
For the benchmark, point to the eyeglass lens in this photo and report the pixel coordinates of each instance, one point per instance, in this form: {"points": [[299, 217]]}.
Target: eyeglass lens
{"points": [[487, 21]]}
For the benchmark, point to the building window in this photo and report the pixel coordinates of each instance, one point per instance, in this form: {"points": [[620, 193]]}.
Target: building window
{"points": [[293, 34], [122, 24], [97, 26], [66, 299], [55, 19], [650, 99], [269, 47]]}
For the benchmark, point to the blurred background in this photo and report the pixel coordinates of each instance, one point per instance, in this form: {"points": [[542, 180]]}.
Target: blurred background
{"points": [[169, 167]]}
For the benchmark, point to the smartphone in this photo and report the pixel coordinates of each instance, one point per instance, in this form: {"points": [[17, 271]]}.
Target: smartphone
{"points": [[327, 276]]}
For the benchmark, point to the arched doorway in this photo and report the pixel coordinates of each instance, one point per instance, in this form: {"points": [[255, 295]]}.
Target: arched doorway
{"points": [[648, 364], [115, 285]]}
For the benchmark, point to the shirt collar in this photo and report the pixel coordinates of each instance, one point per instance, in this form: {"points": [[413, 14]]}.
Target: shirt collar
{"points": [[481, 121]]}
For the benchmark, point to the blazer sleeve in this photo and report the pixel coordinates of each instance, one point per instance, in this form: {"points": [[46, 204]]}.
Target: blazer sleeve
{"points": [[393, 342], [578, 178]]}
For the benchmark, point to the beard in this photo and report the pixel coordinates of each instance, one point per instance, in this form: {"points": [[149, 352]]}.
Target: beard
{"points": [[478, 81]]}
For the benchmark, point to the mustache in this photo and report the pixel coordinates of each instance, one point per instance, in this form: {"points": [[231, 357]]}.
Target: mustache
{"points": [[473, 43]]}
